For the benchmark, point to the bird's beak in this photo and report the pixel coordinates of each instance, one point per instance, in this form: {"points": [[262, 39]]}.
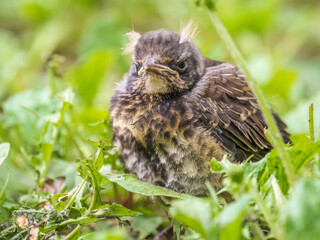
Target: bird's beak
{"points": [[151, 66]]}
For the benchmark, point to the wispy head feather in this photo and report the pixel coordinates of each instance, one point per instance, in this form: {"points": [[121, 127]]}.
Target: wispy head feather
{"points": [[133, 39], [188, 31]]}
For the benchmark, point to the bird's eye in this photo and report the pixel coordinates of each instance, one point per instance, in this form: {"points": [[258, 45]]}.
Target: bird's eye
{"points": [[181, 65]]}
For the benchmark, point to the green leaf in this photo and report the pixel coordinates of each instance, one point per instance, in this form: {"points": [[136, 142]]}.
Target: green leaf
{"points": [[115, 210], [216, 166], [131, 184], [146, 225], [230, 219], [303, 150], [60, 200], [300, 217], [102, 144], [41, 108], [46, 150], [83, 75], [33, 199], [195, 213], [177, 229], [4, 151], [94, 165], [99, 160], [4, 214], [54, 218], [82, 169]]}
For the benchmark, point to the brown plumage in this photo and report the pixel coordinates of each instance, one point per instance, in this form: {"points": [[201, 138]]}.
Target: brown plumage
{"points": [[175, 110]]}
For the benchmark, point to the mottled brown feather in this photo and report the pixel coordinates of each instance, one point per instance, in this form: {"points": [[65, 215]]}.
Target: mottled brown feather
{"points": [[228, 99]]}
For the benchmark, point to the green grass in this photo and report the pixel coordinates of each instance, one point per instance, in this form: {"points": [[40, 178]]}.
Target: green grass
{"points": [[61, 178]]}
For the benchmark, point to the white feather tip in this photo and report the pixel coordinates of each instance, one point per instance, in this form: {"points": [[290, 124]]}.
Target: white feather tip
{"points": [[188, 31], [133, 39]]}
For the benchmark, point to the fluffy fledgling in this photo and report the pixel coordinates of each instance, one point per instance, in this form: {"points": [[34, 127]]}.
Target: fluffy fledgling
{"points": [[175, 110]]}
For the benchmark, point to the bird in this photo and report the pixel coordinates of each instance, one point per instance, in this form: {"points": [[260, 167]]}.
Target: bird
{"points": [[175, 110]]}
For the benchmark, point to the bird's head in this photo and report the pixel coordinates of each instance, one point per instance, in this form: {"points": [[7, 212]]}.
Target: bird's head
{"points": [[165, 63]]}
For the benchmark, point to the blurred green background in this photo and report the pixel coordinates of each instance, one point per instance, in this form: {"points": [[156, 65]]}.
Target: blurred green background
{"points": [[48, 46]]}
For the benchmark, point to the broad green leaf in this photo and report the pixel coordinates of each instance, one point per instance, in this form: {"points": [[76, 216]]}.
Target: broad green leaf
{"points": [[116, 210], [33, 199], [300, 217], [4, 151], [88, 75], [236, 173], [145, 225], [76, 212], [99, 178], [275, 167], [195, 213], [41, 107], [230, 219], [132, 184], [303, 150], [279, 87], [4, 214]]}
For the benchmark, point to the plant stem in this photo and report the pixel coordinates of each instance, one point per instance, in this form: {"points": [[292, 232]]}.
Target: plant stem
{"points": [[276, 138], [311, 123], [8, 229], [265, 211], [2, 193], [258, 234], [91, 207], [95, 190], [48, 152], [73, 233], [73, 198]]}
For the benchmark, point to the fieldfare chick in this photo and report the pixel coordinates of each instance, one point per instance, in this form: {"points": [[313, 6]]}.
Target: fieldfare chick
{"points": [[175, 110]]}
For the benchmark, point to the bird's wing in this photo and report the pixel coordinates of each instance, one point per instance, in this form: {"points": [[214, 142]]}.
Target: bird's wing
{"points": [[224, 102]]}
